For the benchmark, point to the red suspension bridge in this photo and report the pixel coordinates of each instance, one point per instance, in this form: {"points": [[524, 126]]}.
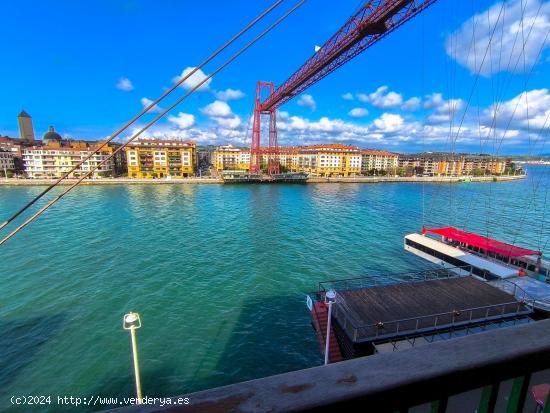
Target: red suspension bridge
{"points": [[374, 20]]}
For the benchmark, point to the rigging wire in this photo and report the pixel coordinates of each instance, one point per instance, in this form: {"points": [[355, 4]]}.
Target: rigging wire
{"points": [[497, 98], [144, 111], [476, 79], [501, 91], [438, 189], [423, 81], [530, 200], [146, 127]]}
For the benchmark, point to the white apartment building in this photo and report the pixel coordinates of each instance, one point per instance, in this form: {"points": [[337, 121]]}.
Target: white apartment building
{"points": [[378, 160], [54, 162]]}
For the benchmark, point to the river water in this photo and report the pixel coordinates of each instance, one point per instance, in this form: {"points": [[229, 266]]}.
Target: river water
{"points": [[218, 274]]}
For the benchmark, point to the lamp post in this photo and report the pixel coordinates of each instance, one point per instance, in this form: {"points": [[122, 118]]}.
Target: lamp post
{"points": [[132, 322], [330, 297]]}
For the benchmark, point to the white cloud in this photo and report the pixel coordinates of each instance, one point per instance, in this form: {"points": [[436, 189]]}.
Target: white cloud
{"points": [[389, 123], [124, 84], [229, 94], [229, 123], [217, 109], [528, 111], [433, 100], [412, 104], [382, 98], [438, 127], [194, 80], [347, 96], [358, 112], [182, 120], [221, 113], [307, 101], [443, 111], [146, 102], [513, 38]]}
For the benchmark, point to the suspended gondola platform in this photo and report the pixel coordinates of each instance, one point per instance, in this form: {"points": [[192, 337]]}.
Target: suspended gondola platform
{"points": [[245, 178], [394, 312]]}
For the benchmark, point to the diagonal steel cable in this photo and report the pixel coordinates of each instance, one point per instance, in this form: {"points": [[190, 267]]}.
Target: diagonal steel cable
{"points": [[143, 112], [146, 127]]}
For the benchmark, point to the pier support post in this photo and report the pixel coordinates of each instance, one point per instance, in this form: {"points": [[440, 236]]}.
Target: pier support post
{"points": [[330, 298]]}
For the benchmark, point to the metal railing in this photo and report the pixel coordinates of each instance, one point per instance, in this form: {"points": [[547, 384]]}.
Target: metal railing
{"points": [[376, 280], [351, 323], [455, 318]]}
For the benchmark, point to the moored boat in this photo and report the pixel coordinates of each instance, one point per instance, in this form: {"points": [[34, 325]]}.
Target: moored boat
{"points": [[508, 267]]}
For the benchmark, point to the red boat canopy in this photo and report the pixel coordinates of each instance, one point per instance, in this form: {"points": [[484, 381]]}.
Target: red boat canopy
{"points": [[479, 241]]}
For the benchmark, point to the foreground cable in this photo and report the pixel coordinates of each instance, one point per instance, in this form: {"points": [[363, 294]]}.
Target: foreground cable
{"points": [[159, 116], [143, 112]]}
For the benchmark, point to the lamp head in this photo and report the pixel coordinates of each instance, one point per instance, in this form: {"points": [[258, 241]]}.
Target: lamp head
{"points": [[131, 320], [330, 296]]}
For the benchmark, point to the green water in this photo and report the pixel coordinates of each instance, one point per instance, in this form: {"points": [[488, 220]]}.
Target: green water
{"points": [[218, 274]]}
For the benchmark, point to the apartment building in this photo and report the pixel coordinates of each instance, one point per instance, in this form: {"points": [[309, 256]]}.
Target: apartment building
{"points": [[159, 158], [446, 164], [231, 158], [6, 162], [56, 158], [318, 160], [373, 161]]}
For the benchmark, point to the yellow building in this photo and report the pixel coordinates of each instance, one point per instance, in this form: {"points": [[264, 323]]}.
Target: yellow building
{"points": [[443, 164], [230, 158], [158, 158]]}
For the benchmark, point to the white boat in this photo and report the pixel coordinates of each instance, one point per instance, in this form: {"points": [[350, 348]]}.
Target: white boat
{"points": [[519, 271]]}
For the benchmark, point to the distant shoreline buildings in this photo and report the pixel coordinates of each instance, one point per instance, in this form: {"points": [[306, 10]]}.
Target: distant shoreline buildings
{"points": [[54, 156], [338, 160]]}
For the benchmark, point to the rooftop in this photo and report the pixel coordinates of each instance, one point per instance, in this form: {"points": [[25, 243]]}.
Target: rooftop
{"points": [[161, 142]]}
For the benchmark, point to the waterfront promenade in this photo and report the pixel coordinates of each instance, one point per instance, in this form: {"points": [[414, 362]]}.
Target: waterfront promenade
{"points": [[214, 180]]}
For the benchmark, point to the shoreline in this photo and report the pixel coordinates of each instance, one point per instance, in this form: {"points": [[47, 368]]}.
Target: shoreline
{"points": [[312, 180]]}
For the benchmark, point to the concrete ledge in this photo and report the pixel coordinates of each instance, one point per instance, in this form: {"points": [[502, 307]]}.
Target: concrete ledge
{"points": [[112, 181], [180, 181], [416, 179], [384, 382]]}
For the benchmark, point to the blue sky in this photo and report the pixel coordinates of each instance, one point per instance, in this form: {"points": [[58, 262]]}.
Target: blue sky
{"points": [[87, 68]]}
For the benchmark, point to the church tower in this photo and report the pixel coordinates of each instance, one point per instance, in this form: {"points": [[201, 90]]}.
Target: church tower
{"points": [[26, 131]]}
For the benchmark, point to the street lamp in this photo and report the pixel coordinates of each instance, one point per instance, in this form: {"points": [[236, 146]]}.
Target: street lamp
{"points": [[330, 297], [132, 322]]}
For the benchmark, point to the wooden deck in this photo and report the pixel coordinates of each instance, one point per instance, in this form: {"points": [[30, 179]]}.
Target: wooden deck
{"points": [[427, 304]]}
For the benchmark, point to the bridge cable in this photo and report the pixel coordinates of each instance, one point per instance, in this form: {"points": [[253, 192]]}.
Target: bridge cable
{"points": [[144, 111], [146, 127]]}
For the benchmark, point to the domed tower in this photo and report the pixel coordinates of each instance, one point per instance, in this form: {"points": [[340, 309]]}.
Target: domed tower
{"points": [[51, 136], [26, 131]]}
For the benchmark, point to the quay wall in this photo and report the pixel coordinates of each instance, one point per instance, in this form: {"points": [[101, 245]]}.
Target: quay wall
{"points": [[359, 179]]}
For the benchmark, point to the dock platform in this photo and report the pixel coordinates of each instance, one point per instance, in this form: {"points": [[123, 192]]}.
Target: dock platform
{"points": [[246, 178], [367, 315]]}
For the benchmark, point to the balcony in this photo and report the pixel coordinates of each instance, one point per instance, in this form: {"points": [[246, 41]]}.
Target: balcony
{"points": [[485, 372]]}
